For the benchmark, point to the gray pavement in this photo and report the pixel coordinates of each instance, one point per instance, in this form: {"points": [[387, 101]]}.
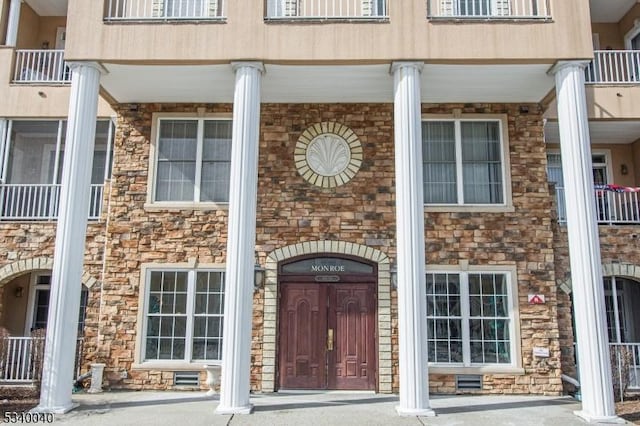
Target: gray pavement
{"points": [[316, 408]]}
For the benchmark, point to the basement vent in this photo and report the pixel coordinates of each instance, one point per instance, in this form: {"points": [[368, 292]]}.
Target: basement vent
{"points": [[465, 382], [186, 378]]}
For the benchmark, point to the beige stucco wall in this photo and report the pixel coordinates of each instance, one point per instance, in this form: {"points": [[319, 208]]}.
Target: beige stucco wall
{"points": [[25, 100], [15, 308], [407, 35], [607, 102], [48, 27], [4, 12], [628, 21], [28, 28], [609, 35], [636, 160]]}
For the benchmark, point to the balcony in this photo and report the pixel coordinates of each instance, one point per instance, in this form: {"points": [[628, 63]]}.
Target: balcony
{"points": [[326, 9], [612, 208], [614, 67], [489, 9], [40, 201], [164, 10], [41, 67]]}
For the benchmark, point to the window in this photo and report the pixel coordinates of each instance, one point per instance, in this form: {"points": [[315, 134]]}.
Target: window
{"points": [[184, 315], [462, 162], [193, 160], [483, 7], [469, 319]]}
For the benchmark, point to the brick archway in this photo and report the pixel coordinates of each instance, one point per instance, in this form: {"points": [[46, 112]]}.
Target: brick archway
{"points": [[20, 267], [271, 304], [609, 269]]}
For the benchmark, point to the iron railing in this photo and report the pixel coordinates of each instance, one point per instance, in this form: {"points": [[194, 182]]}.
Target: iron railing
{"points": [[326, 9], [489, 9], [41, 66], [611, 207], [614, 67], [164, 10], [40, 201]]}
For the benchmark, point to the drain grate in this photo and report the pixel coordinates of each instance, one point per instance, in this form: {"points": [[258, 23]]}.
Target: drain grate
{"points": [[186, 378], [465, 382]]}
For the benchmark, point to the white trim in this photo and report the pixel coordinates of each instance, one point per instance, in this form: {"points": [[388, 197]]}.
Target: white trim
{"points": [[33, 287], [631, 34]]}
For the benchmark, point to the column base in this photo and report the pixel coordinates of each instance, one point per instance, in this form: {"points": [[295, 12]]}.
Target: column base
{"points": [[55, 410], [590, 418], [415, 412], [246, 409]]}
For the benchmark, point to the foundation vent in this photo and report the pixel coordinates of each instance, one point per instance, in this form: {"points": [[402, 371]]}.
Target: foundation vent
{"points": [[466, 382], [186, 378]]}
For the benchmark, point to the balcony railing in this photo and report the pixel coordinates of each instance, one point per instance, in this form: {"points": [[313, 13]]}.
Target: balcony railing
{"points": [[41, 66], [21, 359], [614, 67], [40, 201], [164, 10], [611, 207], [326, 9], [625, 360], [489, 9]]}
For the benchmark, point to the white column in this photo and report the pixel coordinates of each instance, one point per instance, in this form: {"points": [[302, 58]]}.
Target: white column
{"points": [[64, 302], [584, 245], [412, 316], [13, 22], [241, 241]]}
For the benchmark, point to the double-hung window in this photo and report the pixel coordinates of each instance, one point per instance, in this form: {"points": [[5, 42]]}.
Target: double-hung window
{"points": [[183, 315], [470, 319], [463, 162], [193, 160]]}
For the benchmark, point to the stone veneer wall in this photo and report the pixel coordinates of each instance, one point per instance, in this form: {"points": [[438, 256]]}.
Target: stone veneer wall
{"points": [[291, 211]]}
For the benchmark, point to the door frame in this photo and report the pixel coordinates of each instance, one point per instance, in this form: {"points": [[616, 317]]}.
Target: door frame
{"points": [[311, 278]]}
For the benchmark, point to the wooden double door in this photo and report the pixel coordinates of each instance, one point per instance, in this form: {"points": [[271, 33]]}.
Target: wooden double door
{"points": [[327, 336]]}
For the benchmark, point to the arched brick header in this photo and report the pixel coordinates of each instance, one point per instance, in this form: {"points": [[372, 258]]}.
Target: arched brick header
{"points": [[385, 373], [20, 267], [609, 269]]}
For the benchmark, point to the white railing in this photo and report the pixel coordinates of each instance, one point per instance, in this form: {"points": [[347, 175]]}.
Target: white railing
{"points": [[40, 201], [625, 363], [41, 66], [134, 10], [326, 9], [489, 9], [611, 207], [21, 360], [614, 67]]}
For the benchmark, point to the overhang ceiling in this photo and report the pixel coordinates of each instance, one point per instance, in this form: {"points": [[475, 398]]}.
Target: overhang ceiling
{"points": [[326, 84], [601, 132], [49, 7], [609, 10]]}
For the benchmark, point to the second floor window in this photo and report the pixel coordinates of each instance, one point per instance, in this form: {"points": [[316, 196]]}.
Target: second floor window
{"points": [[193, 160], [462, 162]]}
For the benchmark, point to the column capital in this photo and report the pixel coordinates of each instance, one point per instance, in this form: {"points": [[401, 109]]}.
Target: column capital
{"points": [[406, 64], [248, 64], [560, 65], [77, 64]]}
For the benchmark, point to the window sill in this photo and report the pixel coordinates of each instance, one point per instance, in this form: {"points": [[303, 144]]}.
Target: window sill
{"points": [[489, 369], [156, 207], [174, 366], [469, 208]]}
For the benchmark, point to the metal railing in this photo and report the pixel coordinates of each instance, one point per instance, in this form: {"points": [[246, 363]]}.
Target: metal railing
{"points": [[40, 201], [611, 207], [326, 9], [21, 359], [41, 66], [614, 67], [164, 10], [489, 9]]}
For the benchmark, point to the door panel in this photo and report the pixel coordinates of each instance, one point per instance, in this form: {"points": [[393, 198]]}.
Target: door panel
{"points": [[352, 313], [303, 325]]}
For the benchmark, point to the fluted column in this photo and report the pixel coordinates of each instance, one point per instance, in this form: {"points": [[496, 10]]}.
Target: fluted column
{"points": [[412, 316], [64, 299], [584, 245], [236, 348], [13, 22]]}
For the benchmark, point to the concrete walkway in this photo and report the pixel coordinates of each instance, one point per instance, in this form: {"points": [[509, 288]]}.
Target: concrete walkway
{"points": [[316, 408]]}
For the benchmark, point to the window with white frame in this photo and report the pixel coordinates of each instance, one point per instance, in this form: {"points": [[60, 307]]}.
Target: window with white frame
{"points": [[469, 319], [184, 315], [193, 160], [462, 162]]}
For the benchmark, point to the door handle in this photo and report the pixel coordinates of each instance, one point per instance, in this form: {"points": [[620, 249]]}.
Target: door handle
{"points": [[330, 339]]}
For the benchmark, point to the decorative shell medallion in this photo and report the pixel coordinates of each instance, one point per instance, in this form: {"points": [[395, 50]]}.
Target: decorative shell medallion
{"points": [[328, 154]]}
